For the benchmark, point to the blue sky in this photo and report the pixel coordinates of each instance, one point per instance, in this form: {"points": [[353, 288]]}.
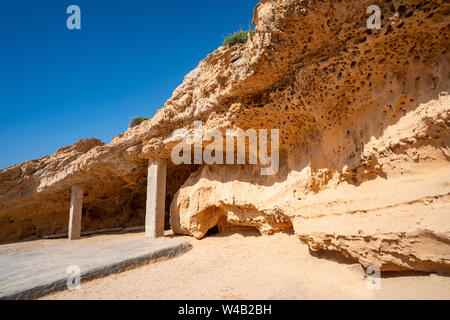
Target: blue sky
{"points": [[58, 86]]}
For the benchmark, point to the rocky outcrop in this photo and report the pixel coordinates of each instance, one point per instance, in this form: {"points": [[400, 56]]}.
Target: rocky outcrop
{"points": [[398, 220], [364, 138], [35, 195]]}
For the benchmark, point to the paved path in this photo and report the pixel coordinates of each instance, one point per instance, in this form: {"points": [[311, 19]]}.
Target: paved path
{"points": [[34, 273]]}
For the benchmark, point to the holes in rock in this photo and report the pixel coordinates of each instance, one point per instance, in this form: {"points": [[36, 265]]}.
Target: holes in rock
{"points": [[401, 11], [214, 230]]}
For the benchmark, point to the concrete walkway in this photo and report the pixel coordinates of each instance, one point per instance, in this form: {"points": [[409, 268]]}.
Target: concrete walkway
{"points": [[34, 273]]}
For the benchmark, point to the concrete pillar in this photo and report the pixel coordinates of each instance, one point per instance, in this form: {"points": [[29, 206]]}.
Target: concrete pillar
{"points": [[76, 209], [156, 198]]}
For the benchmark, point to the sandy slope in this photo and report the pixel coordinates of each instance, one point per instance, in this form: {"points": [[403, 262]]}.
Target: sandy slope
{"points": [[245, 265]]}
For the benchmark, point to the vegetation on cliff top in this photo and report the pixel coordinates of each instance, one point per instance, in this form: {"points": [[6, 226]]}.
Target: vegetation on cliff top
{"points": [[238, 37], [137, 121]]}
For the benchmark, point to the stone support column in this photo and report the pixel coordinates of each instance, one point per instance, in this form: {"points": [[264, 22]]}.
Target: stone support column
{"points": [[156, 198], [76, 209]]}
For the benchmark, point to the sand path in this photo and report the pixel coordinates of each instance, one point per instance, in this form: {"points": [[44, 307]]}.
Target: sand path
{"points": [[245, 265]]}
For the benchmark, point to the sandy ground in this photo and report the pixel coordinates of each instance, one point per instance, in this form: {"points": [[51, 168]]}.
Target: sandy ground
{"points": [[245, 265]]}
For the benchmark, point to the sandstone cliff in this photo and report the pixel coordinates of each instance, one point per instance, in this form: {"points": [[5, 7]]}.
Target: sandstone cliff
{"points": [[364, 140]]}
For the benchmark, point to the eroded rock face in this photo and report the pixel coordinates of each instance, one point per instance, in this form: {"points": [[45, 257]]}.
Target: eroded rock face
{"points": [[364, 139], [35, 201], [398, 220]]}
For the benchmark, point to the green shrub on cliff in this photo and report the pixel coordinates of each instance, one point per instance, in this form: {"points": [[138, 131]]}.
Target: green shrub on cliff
{"points": [[137, 121], [238, 37]]}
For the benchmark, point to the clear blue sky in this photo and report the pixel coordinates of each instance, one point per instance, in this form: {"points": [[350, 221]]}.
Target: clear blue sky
{"points": [[58, 86]]}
